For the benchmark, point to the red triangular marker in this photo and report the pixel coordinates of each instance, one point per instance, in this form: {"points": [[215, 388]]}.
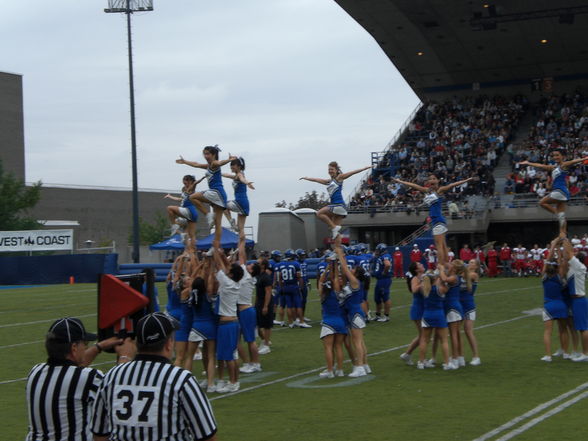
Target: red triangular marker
{"points": [[117, 300]]}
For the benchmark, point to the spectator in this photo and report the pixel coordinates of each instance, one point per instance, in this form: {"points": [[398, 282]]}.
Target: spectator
{"points": [[453, 210], [466, 254]]}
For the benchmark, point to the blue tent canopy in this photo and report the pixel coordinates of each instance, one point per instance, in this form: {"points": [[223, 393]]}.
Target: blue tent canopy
{"points": [[228, 240]]}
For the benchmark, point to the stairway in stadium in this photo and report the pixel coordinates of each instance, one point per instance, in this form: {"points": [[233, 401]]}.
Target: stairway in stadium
{"points": [[503, 168]]}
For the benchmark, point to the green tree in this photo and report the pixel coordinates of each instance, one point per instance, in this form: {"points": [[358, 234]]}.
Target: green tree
{"points": [[312, 200], [16, 199], [150, 233]]}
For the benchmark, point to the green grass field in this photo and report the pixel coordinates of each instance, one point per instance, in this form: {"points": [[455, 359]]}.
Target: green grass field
{"points": [[288, 402]]}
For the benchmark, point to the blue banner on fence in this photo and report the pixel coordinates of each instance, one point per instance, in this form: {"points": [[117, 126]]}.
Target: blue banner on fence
{"points": [[34, 270]]}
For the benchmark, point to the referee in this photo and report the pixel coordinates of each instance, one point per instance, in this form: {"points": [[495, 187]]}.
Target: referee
{"points": [[60, 393], [149, 399]]}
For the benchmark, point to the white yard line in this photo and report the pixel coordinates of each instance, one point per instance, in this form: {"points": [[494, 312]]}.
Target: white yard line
{"points": [[543, 417], [44, 293], [11, 325], [25, 378], [534, 411], [21, 344], [48, 308]]}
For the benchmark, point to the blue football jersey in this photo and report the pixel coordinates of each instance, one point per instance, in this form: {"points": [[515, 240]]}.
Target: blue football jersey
{"points": [[288, 272], [379, 266]]}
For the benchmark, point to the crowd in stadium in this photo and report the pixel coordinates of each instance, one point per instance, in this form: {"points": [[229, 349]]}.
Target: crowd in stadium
{"points": [[558, 121], [455, 140]]}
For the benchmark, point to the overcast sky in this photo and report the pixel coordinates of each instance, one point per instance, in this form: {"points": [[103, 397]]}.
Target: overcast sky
{"points": [[288, 84]]}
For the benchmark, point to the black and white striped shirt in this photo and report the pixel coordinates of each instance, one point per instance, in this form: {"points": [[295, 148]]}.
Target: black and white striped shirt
{"points": [[149, 399], [60, 397]]}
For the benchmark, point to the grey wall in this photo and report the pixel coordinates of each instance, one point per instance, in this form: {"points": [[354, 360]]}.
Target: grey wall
{"points": [[11, 125], [316, 231], [279, 231], [104, 215]]}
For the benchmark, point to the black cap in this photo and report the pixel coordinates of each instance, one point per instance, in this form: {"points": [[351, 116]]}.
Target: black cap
{"points": [[70, 330], [155, 327]]}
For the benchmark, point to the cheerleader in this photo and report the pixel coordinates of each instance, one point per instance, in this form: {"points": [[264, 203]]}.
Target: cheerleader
{"points": [[434, 319], [556, 201], [204, 321], [174, 306], [575, 273], [333, 328], [554, 307], [334, 213], [186, 210], [414, 279], [187, 265], [466, 298], [240, 204], [215, 195], [434, 200], [350, 297], [455, 276]]}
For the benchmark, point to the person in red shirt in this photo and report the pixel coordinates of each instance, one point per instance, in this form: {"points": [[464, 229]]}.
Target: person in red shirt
{"points": [[466, 254], [398, 263], [506, 259], [492, 259], [415, 254]]}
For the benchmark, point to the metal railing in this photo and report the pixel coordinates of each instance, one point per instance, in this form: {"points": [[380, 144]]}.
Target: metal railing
{"points": [[525, 200], [474, 213], [390, 144], [97, 250]]}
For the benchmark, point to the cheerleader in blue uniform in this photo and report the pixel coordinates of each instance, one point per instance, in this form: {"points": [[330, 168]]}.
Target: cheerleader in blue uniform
{"points": [[554, 307], [333, 327], [434, 320], [215, 195], [350, 294], [468, 304], [240, 204], [556, 201], [188, 265], [334, 213], [454, 277], [414, 279], [186, 211], [433, 199], [174, 306]]}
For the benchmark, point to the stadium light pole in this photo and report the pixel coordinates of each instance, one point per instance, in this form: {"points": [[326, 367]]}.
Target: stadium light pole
{"points": [[128, 7]]}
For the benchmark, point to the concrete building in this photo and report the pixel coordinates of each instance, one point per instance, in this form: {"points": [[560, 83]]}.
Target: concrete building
{"points": [[280, 228], [316, 230], [12, 151]]}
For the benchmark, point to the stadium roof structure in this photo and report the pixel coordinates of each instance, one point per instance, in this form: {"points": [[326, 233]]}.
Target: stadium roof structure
{"points": [[444, 46]]}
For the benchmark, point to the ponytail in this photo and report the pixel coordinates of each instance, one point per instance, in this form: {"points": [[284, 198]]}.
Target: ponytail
{"points": [[427, 285], [461, 270]]}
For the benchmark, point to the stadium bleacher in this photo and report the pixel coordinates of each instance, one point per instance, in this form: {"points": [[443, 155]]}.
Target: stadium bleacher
{"points": [[454, 139], [558, 121]]}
